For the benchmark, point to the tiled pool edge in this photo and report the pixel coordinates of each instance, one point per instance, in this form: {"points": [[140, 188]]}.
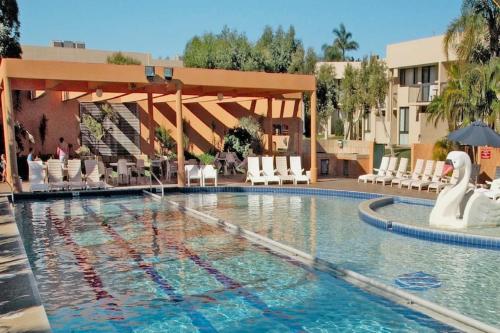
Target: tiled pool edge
{"points": [[367, 213], [21, 309], [433, 310]]}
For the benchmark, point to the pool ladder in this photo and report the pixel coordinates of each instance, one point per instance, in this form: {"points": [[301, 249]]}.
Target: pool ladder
{"points": [[159, 182]]}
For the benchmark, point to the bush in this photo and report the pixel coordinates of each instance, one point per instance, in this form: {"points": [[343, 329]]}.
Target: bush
{"points": [[338, 127], [206, 159], [164, 138], [441, 149], [238, 140]]}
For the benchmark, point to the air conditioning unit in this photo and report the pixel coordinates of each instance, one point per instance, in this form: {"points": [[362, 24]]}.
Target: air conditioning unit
{"points": [[68, 44], [80, 45], [57, 43]]}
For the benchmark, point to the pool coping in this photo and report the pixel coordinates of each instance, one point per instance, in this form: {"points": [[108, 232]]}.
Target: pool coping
{"points": [[367, 213], [21, 308], [433, 310]]}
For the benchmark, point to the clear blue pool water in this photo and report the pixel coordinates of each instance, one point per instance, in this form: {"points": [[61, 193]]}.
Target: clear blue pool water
{"points": [[129, 264], [330, 228]]}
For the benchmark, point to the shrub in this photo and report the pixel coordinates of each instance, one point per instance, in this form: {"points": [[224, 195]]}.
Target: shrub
{"points": [[441, 149], [238, 140], [338, 127], [206, 159], [164, 138]]}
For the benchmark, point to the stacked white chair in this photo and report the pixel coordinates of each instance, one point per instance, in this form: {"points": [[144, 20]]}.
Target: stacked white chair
{"points": [[37, 176], [55, 175], [268, 171], [400, 173], [282, 170], [296, 170], [75, 181], [92, 175], [253, 171], [384, 164]]}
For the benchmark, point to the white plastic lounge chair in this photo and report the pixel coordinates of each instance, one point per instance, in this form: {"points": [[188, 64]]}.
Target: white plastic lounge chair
{"points": [[426, 175], [55, 175], [193, 172], [93, 176], [384, 164], [282, 169], [37, 176], [253, 171], [443, 182], [391, 169], [415, 175], [208, 172], [296, 170], [268, 171], [75, 181], [400, 173], [436, 176]]}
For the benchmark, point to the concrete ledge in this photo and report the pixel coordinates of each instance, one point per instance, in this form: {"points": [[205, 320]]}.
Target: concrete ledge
{"points": [[21, 309], [367, 213], [401, 297]]}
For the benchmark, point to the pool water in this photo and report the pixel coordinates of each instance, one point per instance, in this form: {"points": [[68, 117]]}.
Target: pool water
{"points": [[131, 264], [330, 228]]}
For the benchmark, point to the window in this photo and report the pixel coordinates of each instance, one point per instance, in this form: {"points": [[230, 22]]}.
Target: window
{"points": [[367, 122], [404, 125], [426, 74], [402, 76], [415, 75]]}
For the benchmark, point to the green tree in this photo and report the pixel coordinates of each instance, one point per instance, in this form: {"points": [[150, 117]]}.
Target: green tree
{"points": [[343, 40], [118, 58], [326, 92], [164, 138], [475, 33], [331, 53], [349, 99], [9, 29]]}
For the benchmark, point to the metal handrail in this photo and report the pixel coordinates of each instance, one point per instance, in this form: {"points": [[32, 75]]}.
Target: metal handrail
{"points": [[151, 173]]}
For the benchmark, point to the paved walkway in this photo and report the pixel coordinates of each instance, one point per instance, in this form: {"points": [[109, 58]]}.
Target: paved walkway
{"points": [[345, 184], [20, 308]]}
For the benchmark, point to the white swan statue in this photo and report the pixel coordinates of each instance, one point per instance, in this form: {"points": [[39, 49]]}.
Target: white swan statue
{"points": [[480, 211]]}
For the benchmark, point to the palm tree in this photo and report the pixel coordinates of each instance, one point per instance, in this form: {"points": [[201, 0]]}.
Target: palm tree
{"points": [[344, 40], [475, 34]]}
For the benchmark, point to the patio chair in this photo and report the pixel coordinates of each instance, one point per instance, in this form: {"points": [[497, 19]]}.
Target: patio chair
{"points": [[384, 164], [208, 172], [391, 169], [253, 171], [415, 175], [444, 181], [37, 176], [297, 172], [193, 172], [400, 173], [268, 170], [436, 176], [139, 170], [75, 181], [55, 175], [282, 169], [123, 171], [92, 176], [426, 175]]}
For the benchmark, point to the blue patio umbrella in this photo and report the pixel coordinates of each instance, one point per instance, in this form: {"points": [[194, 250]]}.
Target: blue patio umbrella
{"points": [[476, 134]]}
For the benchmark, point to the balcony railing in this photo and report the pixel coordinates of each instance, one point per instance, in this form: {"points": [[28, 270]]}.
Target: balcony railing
{"points": [[422, 93]]}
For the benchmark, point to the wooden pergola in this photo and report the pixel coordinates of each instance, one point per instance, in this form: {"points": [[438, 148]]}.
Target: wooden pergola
{"points": [[108, 82]]}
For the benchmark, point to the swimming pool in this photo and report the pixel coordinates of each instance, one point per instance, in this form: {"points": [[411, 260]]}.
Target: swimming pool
{"points": [[131, 264], [330, 228]]}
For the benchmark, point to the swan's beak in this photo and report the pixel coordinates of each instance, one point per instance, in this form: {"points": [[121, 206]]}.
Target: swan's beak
{"points": [[448, 167]]}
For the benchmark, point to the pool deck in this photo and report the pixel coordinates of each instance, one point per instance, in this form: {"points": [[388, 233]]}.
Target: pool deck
{"points": [[343, 184], [21, 309]]}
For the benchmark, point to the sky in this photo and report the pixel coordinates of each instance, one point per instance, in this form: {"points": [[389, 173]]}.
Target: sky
{"points": [[162, 27]]}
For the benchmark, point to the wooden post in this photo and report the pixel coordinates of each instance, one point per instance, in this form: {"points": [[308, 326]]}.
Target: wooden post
{"points": [[9, 137], [181, 177], [151, 123], [314, 167], [270, 126]]}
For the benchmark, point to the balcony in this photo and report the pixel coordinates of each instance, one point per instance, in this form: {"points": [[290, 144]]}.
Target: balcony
{"points": [[422, 93]]}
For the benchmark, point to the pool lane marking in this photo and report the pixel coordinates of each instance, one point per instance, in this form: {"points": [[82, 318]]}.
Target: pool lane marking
{"points": [[197, 318], [89, 273], [225, 280]]}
